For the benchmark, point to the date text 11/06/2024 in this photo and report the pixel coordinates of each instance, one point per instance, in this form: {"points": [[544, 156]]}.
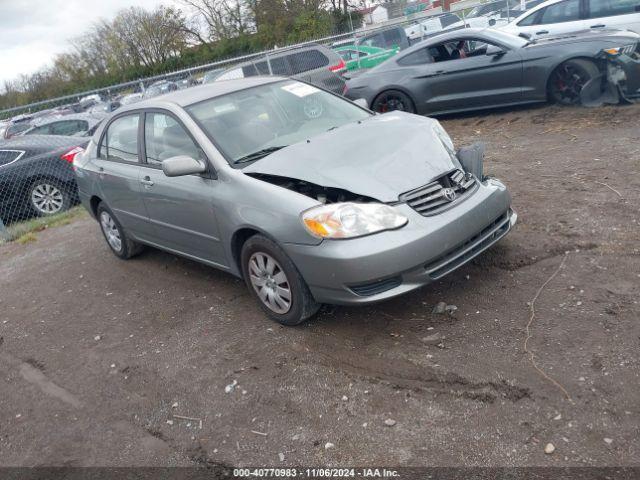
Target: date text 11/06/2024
{"points": [[315, 472]]}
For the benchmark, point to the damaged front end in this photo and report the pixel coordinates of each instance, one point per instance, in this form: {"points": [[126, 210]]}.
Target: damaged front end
{"points": [[619, 82]]}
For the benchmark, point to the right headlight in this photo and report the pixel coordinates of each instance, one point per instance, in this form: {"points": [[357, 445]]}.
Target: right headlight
{"points": [[349, 220]]}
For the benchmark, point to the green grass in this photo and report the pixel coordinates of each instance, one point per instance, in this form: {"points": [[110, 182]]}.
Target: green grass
{"points": [[24, 232]]}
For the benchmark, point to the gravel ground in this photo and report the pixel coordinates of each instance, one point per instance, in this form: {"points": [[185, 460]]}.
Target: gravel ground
{"points": [[99, 357]]}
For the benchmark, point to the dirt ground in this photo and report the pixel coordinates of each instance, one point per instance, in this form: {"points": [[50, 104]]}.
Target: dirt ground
{"points": [[99, 357]]}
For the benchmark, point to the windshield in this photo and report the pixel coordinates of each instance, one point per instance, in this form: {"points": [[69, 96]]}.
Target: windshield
{"points": [[249, 124]]}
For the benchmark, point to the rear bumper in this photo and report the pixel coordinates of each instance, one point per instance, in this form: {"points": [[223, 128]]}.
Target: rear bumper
{"points": [[381, 266]]}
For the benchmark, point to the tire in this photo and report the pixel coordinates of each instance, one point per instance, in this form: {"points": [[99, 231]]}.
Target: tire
{"points": [[47, 196], [392, 100], [269, 274], [568, 79], [117, 240]]}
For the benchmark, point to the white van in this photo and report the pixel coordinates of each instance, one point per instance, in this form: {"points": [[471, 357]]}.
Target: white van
{"points": [[562, 16]]}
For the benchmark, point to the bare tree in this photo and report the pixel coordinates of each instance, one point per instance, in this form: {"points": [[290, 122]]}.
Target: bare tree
{"points": [[219, 19]]}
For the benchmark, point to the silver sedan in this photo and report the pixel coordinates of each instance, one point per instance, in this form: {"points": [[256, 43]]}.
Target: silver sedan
{"points": [[308, 197]]}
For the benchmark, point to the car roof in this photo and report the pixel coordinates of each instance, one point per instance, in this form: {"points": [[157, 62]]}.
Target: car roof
{"points": [[61, 118], [199, 93]]}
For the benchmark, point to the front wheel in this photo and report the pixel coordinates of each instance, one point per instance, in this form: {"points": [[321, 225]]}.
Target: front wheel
{"points": [[275, 282], [568, 80], [393, 100]]}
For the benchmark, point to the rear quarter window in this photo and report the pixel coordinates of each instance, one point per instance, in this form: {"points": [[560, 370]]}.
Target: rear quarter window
{"points": [[419, 57]]}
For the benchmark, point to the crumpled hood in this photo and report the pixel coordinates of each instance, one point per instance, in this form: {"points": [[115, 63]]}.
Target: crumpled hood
{"points": [[381, 157]]}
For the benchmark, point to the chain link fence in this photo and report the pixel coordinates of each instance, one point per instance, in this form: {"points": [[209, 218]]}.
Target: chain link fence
{"points": [[39, 141]]}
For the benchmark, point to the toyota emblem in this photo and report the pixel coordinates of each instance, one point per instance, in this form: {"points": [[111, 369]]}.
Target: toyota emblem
{"points": [[449, 194]]}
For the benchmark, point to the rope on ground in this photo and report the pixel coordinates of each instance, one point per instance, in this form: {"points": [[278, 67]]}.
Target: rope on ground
{"points": [[610, 188], [532, 307]]}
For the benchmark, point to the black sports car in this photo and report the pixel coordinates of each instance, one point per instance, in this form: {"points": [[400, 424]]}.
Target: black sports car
{"points": [[472, 69], [36, 175]]}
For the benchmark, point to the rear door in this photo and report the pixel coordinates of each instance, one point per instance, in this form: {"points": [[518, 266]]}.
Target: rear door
{"points": [[618, 14], [118, 170], [181, 209]]}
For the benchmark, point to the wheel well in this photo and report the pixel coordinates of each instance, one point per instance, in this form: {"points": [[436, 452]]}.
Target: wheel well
{"points": [[401, 90], [94, 202], [553, 70], [237, 241]]}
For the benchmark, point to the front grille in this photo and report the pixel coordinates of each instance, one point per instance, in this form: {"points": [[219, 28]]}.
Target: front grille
{"points": [[379, 286], [469, 249], [441, 194]]}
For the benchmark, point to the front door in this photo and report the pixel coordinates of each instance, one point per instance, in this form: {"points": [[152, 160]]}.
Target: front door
{"points": [[181, 209], [464, 76]]}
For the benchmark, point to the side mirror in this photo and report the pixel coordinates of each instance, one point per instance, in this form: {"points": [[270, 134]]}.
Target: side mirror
{"points": [[495, 51], [182, 165], [361, 102]]}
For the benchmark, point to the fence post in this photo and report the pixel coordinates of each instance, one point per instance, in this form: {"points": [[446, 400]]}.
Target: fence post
{"points": [[4, 233]]}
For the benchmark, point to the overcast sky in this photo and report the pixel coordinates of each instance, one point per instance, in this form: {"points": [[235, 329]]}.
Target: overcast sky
{"points": [[33, 31]]}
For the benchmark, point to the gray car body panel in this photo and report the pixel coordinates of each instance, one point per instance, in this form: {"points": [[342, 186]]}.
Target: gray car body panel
{"points": [[518, 77], [200, 215]]}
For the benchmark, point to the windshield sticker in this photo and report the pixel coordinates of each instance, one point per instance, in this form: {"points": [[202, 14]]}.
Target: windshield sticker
{"points": [[300, 89]]}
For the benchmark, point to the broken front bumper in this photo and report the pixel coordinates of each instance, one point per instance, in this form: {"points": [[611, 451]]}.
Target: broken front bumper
{"points": [[624, 72], [384, 265]]}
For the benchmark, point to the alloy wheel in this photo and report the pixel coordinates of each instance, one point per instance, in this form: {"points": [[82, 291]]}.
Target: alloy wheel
{"points": [[568, 84], [111, 231], [47, 199], [270, 282]]}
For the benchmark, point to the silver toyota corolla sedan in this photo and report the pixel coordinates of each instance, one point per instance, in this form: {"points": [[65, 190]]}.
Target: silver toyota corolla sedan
{"points": [[308, 197]]}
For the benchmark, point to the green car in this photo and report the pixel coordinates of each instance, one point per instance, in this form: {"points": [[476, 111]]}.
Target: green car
{"points": [[362, 56]]}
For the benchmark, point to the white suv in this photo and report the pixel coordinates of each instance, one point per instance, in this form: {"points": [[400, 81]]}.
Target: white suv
{"points": [[562, 16]]}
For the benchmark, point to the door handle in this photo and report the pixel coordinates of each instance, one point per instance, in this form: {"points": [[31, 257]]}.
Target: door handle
{"points": [[600, 25], [542, 32], [147, 182]]}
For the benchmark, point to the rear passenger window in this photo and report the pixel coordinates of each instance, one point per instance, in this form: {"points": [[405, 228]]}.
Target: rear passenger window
{"points": [[307, 60], [610, 8], [121, 139], [165, 138], [280, 66]]}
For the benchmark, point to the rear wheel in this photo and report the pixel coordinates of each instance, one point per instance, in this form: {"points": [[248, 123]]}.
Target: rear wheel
{"points": [[119, 243], [393, 100], [275, 282], [568, 80], [48, 197]]}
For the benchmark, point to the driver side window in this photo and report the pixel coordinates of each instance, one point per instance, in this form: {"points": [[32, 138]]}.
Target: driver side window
{"points": [[165, 138], [460, 49]]}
